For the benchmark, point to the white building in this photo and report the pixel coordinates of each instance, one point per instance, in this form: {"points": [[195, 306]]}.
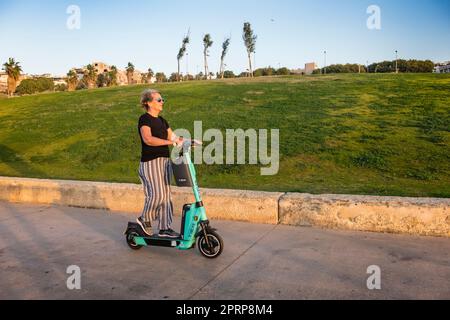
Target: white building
{"points": [[442, 67]]}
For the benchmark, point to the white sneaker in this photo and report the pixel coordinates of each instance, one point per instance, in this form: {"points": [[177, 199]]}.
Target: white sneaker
{"points": [[145, 226]]}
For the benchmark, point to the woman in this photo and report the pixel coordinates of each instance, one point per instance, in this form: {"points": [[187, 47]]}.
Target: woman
{"points": [[155, 167]]}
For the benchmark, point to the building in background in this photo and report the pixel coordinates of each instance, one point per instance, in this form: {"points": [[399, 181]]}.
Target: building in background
{"points": [[122, 78], [309, 69], [4, 81], [442, 67]]}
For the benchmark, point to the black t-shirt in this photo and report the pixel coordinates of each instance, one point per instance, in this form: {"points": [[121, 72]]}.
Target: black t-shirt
{"points": [[159, 128]]}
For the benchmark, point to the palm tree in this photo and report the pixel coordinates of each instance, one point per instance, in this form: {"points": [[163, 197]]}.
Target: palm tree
{"points": [[225, 45], [250, 43], [181, 53], [91, 75], [150, 75], [13, 70], [207, 43], [113, 76], [72, 80], [130, 72]]}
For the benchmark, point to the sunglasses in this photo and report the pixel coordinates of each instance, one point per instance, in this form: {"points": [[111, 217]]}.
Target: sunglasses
{"points": [[160, 100]]}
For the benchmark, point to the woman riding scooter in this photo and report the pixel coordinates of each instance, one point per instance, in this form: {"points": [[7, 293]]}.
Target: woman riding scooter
{"points": [[155, 170]]}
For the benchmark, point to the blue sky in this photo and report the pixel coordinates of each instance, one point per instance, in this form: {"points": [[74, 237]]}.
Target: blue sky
{"points": [[149, 33]]}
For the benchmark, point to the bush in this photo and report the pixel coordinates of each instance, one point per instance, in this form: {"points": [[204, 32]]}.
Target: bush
{"points": [[160, 77], [345, 68], [30, 86], [264, 72], [229, 74], [405, 66], [82, 85], [61, 87], [283, 71]]}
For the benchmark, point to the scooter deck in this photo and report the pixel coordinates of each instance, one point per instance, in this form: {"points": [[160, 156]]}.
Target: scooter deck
{"points": [[156, 237], [162, 241]]}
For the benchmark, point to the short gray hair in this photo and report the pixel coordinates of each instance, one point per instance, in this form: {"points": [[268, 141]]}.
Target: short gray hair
{"points": [[147, 96]]}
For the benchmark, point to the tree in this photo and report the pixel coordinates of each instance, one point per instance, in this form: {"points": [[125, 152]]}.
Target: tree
{"points": [[174, 77], [250, 43], [269, 71], [199, 76], [13, 70], [147, 77], [225, 45], [181, 53], [91, 75], [61, 87], [112, 76], [403, 66], [228, 74], [207, 43], [30, 86], [283, 71], [72, 80], [160, 77], [150, 73], [130, 72], [103, 80]]}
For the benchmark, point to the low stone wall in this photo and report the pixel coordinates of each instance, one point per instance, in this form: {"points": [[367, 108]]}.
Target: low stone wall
{"points": [[250, 206], [419, 216]]}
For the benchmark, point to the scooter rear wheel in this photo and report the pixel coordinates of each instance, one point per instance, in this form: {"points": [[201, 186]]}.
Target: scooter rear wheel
{"points": [[130, 240], [215, 248]]}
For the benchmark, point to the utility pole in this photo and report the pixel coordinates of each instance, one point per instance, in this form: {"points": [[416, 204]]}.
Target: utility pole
{"points": [[325, 63], [187, 64], [396, 61]]}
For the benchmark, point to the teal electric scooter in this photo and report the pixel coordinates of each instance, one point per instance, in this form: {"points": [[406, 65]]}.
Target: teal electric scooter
{"points": [[194, 223]]}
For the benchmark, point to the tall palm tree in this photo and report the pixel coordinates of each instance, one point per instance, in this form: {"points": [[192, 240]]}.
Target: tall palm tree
{"points": [[113, 75], [250, 43], [72, 80], [91, 75], [207, 43], [181, 53], [13, 70], [225, 45], [150, 73], [130, 72]]}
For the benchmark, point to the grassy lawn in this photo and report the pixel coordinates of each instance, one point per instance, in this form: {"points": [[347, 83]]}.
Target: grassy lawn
{"points": [[359, 134]]}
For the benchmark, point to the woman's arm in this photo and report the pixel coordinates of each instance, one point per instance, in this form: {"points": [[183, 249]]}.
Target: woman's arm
{"points": [[152, 141]]}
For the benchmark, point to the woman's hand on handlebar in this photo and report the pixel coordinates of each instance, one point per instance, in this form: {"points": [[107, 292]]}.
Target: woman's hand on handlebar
{"points": [[178, 142]]}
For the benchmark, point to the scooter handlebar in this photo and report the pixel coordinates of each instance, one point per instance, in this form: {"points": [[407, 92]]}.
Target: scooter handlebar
{"points": [[189, 143]]}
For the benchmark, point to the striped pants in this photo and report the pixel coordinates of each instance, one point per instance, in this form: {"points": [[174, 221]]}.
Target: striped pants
{"points": [[155, 176]]}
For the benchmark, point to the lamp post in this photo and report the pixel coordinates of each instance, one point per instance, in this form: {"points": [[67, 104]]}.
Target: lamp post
{"points": [[396, 61], [187, 64]]}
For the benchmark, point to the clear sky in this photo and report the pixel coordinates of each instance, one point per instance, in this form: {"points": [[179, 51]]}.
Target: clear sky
{"points": [[149, 33]]}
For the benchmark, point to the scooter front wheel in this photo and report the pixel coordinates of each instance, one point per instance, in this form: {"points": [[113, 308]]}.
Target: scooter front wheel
{"points": [[210, 247], [130, 240]]}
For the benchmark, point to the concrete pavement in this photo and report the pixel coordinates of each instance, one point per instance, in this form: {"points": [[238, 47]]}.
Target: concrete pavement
{"points": [[39, 242]]}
